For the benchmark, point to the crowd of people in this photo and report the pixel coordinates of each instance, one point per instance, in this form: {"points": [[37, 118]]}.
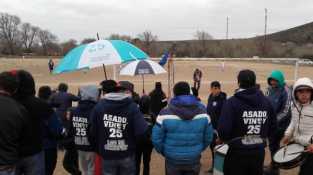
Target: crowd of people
{"points": [[112, 129]]}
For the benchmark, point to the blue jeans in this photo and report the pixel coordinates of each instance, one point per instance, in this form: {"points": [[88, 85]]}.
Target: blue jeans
{"points": [[31, 165], [171, 169], [126, 166]]}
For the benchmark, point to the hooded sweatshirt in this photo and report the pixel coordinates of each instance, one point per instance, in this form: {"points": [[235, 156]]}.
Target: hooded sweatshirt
{"points": [[115, 123], [12, 126], [38, 111], [246, 121], [79, 117], [301, 125], [280, 98], [182, 131]]}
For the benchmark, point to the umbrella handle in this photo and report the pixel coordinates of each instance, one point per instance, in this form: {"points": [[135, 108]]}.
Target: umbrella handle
{"points": [[105, 72], [143, 83]]}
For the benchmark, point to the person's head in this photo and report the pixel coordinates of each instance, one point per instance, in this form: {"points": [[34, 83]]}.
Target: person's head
{"points": [[276, 79], [8, 83], [303, 91], [246, 79], [158, 86], [26, 84], [44, 92], [181, 88], [215, 88], [108, 86], [89, 93], [127, 85], [63, 87]]}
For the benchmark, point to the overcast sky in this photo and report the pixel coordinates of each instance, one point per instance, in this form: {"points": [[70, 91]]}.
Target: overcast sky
{"points": [[168, 19]]}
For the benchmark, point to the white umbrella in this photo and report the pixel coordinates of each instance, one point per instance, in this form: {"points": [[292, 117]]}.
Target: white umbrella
{"points": [[142, 67]]}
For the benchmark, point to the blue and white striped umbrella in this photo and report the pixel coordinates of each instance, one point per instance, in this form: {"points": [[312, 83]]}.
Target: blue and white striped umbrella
{"points": [[142, 67], [98, 53]]}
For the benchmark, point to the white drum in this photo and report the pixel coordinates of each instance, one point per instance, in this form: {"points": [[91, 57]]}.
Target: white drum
{"points": [[219, 157]]}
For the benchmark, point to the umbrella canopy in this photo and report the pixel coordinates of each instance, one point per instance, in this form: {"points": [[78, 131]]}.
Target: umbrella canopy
{"points": [[142, 67], [98, 53]]}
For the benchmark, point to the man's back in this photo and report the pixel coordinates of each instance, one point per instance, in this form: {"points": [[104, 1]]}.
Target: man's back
{"points": [[247, 113], [12, 125], [182, 131], [115, 123]]}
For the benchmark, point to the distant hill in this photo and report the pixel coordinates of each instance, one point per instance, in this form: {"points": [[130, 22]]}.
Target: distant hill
{"points": [[300, 35]]}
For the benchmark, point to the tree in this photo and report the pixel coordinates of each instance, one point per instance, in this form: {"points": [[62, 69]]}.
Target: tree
{"points": [[68, 45], [120, 37], [9, 31], [203, 37], [46, 38], [87, 40], [148, 39], [28, 34]]}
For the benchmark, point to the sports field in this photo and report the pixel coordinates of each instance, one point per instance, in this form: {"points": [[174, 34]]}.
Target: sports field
{"points": [[183, 72]]}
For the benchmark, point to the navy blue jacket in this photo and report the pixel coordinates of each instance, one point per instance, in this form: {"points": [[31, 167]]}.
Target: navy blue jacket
{"points": [[115, 124], [79, 120], [246, 121], [52, 131], [64, 101], [214, 107]]}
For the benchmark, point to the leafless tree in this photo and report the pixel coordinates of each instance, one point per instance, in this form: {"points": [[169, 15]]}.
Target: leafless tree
{"points": [[46, 38], [9, 30], [87, 40], [68, 45], [148, 39], [28, 34], [120, 37], [203, 37]]}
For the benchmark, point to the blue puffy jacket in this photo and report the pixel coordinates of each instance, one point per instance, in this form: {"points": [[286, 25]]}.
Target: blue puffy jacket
{"points": [[182, 131]]}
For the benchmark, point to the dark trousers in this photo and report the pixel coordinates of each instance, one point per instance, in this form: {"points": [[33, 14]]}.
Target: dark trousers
{"points": [[51, 156], [274, 143], [171, 169], [212, 146], [144, 151], [244, 162], [196, 85], [70, 162], [307, 167], [125, 166]]}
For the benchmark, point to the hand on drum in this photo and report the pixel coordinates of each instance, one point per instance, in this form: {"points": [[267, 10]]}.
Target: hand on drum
{"points": [[286, 140], [310, 148]]}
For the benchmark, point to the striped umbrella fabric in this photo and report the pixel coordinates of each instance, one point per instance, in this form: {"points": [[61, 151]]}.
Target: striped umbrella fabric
{"points": [[142, 67], [98, 53]]}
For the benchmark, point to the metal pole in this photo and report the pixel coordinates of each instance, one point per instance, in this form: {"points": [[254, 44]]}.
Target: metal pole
{"points": [[114, 73], [265, 33], [296, 70], [169, 77], [143, 84], [227, 28]]}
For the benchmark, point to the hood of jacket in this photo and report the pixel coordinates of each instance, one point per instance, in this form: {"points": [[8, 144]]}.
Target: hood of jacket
{"points": [[26, 85], [249, 96], [303, 82], [186, 106], [278, 76]]}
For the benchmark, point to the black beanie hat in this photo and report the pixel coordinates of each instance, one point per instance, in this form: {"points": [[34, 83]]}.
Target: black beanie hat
{"points": [[181, 88], [26, 84], [108, 86], [246, 79]]}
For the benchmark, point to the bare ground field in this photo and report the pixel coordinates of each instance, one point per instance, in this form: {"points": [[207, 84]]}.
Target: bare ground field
{"points": [[183, 72]]}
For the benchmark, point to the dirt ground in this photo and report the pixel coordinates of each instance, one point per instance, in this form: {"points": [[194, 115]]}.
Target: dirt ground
{"points": [[183, 72]]}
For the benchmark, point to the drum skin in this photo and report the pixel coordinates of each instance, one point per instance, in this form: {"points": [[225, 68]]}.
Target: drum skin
{"points": [[289, 161]]}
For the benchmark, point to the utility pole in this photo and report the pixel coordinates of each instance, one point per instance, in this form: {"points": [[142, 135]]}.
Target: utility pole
{"points": [[227, 28], [265, 34]]}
